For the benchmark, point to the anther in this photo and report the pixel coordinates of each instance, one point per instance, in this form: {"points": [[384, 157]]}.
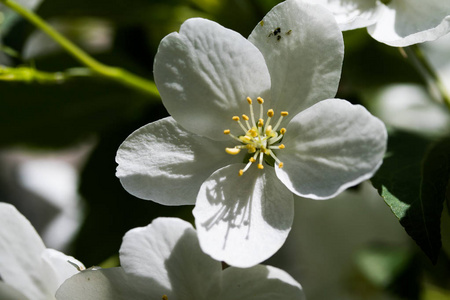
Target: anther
{"points": [[164, 297], [270, 113], [280, 165], [260, 100], [260, 123], [283, 130], [252, 160], [232, 151], [245, 117], [284, 113], [281, 146], [260, 166], [226, 131], [236, 118], [241, 172], [249, 100]]}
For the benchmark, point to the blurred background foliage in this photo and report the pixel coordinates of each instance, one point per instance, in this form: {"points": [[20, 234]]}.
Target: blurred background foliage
{"points": [[51, 117]]}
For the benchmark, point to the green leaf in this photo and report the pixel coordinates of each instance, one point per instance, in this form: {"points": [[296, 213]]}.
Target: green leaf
{"points": [[382, 265], [413, 182], [64, 114]]}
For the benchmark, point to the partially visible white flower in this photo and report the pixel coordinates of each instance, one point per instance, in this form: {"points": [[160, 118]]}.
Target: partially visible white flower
{"points": [[214, 81], [26, 265], [164, 261], [409, 107], [398, 23]]}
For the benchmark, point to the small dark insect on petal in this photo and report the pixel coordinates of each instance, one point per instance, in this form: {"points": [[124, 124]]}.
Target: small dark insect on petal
{"points": [[277, 31]]}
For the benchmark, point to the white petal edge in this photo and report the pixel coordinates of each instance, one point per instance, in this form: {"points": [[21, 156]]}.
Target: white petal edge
{"points": [[204, 75], [167, 254], [21, 265], [259, 283], [62, 266], [331, 146], [7, 292], [404, 23], [163, 162], [243, 220], [103, 284], [304, 58], [352, 14]]}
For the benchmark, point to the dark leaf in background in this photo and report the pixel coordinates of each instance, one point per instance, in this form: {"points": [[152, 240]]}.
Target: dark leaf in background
{"points": [[60, 115], [412, 182]]}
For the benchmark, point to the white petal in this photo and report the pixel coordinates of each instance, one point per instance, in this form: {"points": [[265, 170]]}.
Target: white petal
{"points": [[407, 22], [167, 253], [304, 58], [259, 283], [204, 74], [163, 162], [243, 220], [354, 13], [63, 266], [7, 292], [103, 284], [21, 265], [329, 147]]}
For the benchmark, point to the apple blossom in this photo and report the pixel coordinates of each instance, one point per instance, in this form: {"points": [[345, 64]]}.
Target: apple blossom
{"points": [[164, 261], [228, 95]]}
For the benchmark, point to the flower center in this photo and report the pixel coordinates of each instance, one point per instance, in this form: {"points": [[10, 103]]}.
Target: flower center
{"points": [[259, 138]]}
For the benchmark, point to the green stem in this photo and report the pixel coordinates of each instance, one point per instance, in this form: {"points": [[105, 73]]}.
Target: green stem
{"points": [[422, 64], [114, 73]]}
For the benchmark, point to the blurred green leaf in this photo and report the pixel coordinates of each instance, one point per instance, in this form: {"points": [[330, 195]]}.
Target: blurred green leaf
{"points": [[431, 292], [382, 265], [63, 114], [412, 182]]}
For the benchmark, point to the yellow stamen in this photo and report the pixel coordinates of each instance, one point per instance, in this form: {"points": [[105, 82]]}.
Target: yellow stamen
{"points": [[251, 149], [280, 165], [260, 100], [283, 130], [245, 138], [164, 297], [270, 113], [260, 123], [284, 113], [260, 166], [249, 100], [252, 132], [241, 172], [226, 131], [282, 146], [235, 118], [245, 117], [252, 160], [232, 151]]}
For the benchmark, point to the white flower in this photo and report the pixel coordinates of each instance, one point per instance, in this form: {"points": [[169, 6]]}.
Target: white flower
{"points": [[205, 73], [164, 261], [27, 267], [397, 23]]}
